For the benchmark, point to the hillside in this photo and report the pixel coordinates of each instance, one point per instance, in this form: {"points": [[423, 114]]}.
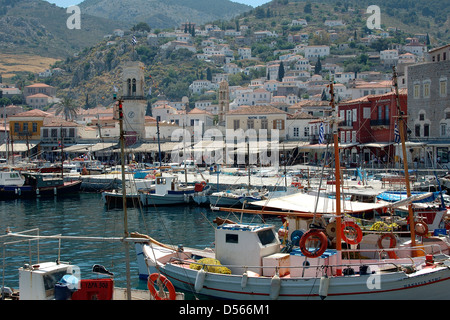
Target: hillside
{"points": [[91, 76], [39, 28], [163, 13], [408, 16]]}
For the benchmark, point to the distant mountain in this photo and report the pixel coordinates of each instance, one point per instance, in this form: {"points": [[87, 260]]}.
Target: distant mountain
{"points": [[163, 13], [40, 28]]}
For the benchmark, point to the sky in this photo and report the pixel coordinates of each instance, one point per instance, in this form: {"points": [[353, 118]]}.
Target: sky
{"points": [[67, 3]]}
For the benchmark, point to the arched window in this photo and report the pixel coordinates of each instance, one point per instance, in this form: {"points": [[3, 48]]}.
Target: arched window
{"points": [[134, 87], [129, 87]]}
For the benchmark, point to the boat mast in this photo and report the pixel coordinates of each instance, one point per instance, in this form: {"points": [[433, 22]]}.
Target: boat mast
{"points": [[62, 153], [401, 125], [124, 198], [338, 179]]}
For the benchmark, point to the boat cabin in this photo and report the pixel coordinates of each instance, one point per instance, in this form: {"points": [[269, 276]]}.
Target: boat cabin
{"points": [[37, 282], [165, 183], [245, 245], [11, 178]]}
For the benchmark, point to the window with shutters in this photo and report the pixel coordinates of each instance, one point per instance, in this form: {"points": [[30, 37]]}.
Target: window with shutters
{"points": [[278, 124]]}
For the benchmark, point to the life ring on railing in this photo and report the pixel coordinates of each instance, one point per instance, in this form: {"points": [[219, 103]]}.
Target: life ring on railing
{"points": [[164, 282], [392, 244], [309, 235], [354, 228], [421, 228]]}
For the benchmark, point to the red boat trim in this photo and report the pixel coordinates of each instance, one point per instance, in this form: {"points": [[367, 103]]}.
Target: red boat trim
{"points": [[309, 295]]}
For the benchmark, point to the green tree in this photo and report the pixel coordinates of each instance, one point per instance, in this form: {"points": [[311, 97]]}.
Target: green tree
{"points": [[67, 107], [281, 72], [141, 26], [208, 74], [307, 8], [318, 66]]}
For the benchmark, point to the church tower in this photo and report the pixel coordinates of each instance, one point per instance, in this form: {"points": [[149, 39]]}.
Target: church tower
{"points": [[134, 101], [224, 100]]}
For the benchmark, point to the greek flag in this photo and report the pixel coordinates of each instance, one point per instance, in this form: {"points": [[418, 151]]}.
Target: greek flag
{"points": [[133, 40], [321, 133], [396, 134]]}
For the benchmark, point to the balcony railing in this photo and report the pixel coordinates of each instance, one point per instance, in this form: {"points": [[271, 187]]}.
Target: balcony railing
{"points": [[380, 122]]}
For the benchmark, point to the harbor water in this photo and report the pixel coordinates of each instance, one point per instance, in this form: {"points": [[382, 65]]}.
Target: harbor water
{"points": [[85, 215]]}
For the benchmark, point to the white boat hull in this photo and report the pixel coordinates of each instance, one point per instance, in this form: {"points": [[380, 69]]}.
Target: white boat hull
{"points": [[427, 283], [150, 199]]}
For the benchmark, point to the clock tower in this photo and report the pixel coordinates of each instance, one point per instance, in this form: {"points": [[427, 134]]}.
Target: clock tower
{"points": [[134, 101]]}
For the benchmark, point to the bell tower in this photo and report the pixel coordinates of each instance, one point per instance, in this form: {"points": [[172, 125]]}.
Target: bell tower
{"points": [[224, 100], [134, 101]]}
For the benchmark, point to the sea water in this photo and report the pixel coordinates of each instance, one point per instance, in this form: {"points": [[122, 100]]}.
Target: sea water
{"points": [[85, 215]]}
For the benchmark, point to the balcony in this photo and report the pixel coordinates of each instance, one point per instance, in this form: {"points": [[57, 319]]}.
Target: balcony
{"points": [[380, 122]]}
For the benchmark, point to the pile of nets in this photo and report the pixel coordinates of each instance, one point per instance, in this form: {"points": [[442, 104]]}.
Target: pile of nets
{"points": [[210, 265]]}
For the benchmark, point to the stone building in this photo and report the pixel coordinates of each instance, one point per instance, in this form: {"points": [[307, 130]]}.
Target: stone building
{"points": [[429, 103]]}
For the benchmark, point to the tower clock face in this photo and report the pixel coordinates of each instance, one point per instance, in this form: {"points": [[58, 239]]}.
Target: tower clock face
{"points": [[131, 114]]}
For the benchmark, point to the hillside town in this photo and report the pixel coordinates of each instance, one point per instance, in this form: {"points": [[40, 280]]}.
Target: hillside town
{"points": [[289, 94], [216, 150]]}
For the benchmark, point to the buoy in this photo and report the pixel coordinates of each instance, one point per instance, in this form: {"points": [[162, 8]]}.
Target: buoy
{"points": [[200, 280], [244, 280], [323, 287], [313, 235], [351, 227], [163, 282], [275, 286], [421, 228]]}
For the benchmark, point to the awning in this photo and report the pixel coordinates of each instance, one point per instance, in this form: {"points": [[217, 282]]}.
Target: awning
{"points": [[330, 146], [19, 147], [376, 145], [153, 147], [302, 202], [84, 148]]}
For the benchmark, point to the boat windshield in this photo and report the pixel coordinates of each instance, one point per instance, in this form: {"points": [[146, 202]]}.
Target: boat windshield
{"points": [[266, 236]]}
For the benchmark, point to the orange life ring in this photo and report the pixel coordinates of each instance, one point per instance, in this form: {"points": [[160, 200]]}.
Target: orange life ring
{"points": [[392, 244], [165, 282], [354, 228], [423, 228], [313, 233]]}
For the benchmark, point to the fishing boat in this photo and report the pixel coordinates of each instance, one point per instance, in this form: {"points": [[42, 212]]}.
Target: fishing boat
{"points": [[32, 185], [167, 191], [247, 261], [134, 187]]}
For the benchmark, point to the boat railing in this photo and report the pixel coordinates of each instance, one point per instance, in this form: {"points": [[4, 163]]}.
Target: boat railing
{"points": [[406, 263]]}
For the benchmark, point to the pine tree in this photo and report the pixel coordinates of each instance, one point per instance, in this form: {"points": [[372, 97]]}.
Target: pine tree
{"points": [[318, 67], [281, 72]]}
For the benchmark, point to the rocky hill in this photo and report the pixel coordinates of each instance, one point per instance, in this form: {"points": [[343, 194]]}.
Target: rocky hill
{"points": [[40, 28], [163, 13], [91, 75]]}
